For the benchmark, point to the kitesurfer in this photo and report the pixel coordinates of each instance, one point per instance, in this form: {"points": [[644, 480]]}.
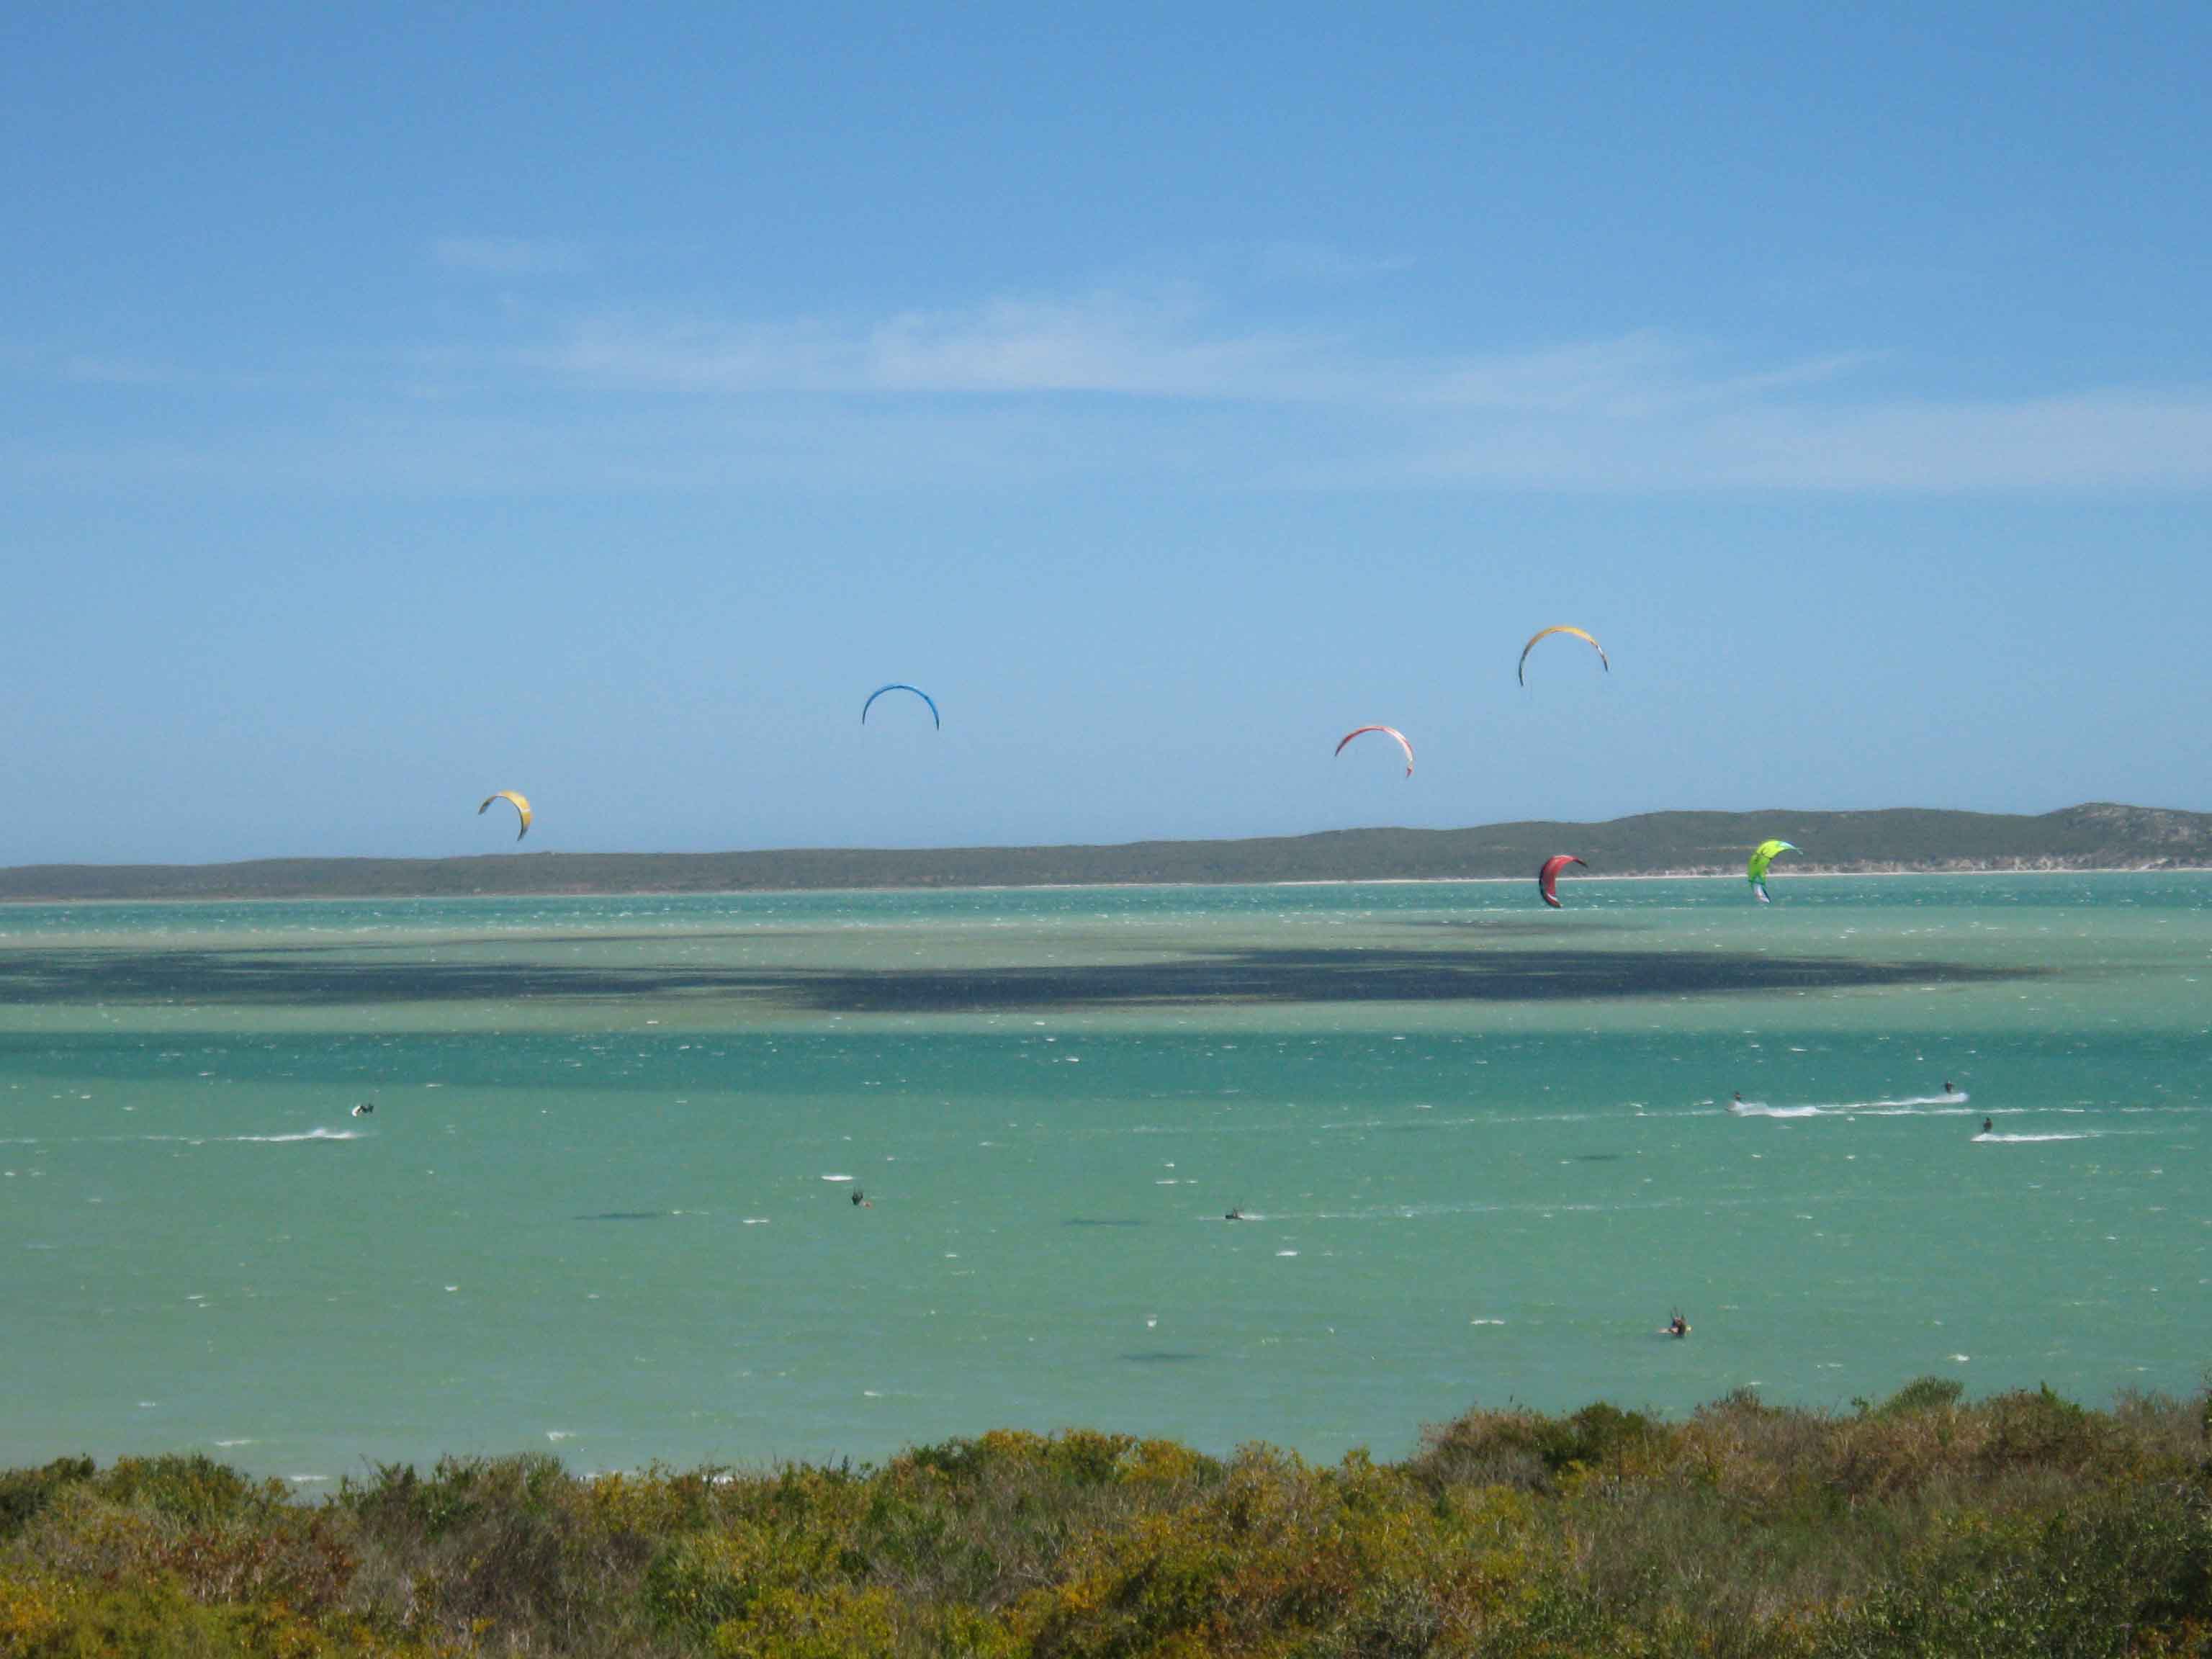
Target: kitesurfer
{"points": [[1947, 1089], [364, 1109], [1987, 1126], [1676, 1325], [1236, 1213], [860, 1201], [1756, 870]]}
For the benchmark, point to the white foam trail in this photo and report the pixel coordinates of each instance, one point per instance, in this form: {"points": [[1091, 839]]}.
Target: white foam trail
{"points": [[2017, 1139], [207, 1140], [837, 1177], [1952, 1104], [1516, 1207]]}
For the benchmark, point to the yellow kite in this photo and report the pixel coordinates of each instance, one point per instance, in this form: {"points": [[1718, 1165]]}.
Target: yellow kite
{"points": [[521, 805], [1520, 672]]}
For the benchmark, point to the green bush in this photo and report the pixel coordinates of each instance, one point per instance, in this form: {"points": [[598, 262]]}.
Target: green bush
{"points": [[1923, 1393], [708, 1579], [195, 1490], [24, 1492], [1928, 1525]]}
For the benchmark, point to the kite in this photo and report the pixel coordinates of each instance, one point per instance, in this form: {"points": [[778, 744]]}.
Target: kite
{"points": [[1393, 732], [902, 686], [521, 805], [1756, 870], [1548, 878], [1520, 672]]}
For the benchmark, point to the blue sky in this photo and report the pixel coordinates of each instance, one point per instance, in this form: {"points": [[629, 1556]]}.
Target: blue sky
{"points": [[405, 403]]}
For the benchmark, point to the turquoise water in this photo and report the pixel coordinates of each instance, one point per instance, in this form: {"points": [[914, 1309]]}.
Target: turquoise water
{"points": [[1482, 1150]]}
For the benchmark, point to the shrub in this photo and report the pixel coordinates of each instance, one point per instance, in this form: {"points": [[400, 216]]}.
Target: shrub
{"points": [[1923, 1393], [195, 1490], [1926, 1525], [2040, 1429], [1527, 1449], [708, 1579], [24, 1492], [834, 1622], [1484, 1448]]}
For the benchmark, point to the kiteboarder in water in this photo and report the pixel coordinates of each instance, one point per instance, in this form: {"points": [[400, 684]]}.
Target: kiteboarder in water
{"points": [[1756, 870]]}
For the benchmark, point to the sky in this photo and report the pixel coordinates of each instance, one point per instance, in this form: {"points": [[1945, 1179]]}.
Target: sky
{"points": [[402, 402]]}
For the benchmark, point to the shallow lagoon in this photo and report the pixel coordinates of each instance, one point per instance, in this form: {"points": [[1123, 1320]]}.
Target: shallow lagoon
{"points": [[1481, 1146]]}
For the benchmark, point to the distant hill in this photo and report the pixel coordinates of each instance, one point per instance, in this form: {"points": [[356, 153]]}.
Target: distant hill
{"points": [[1651, 843]]}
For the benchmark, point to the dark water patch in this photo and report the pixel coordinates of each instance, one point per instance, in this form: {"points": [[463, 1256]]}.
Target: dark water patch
{"points": [[1160, 1356], [1597, 1157], [287, 979], [1274, 977], [1253, 978], [428, 937]]}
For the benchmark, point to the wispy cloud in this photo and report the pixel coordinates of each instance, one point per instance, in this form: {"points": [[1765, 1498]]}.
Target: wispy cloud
{"points": [[1645, 410], [1804, 427], [1167, 344], [1102, 343], [1644, 373], [1154, 346], [1164, 382], [505, 256]]}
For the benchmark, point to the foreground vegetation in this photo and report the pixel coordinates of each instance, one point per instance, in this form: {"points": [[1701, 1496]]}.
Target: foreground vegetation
{"points": [[1652, 843], [2019, 1524]]}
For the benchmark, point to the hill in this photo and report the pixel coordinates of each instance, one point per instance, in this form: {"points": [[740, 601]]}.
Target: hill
{"points": [[2098, 837]]}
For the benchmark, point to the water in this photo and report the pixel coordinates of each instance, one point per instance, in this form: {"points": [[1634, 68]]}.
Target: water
{"points": [[1482, 1150]]}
